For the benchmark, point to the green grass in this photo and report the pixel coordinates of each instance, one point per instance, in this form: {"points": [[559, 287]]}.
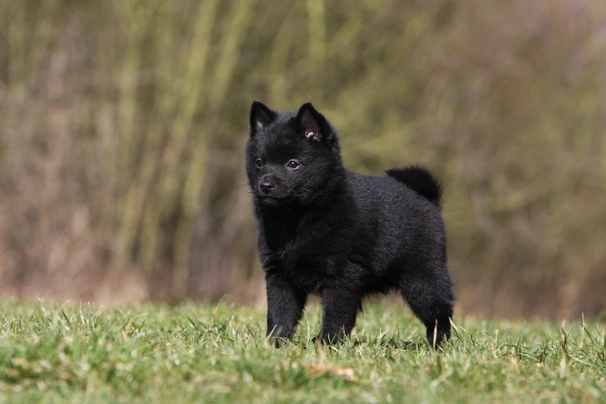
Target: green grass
{"points": [[198, 353]]}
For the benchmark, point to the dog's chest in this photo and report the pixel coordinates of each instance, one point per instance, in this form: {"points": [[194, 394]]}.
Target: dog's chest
{"points": [[307, 252], [308, 265]]}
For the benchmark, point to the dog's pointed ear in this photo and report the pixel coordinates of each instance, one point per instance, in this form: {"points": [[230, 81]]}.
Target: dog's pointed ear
{"points": [[260, 117], [312, 122]]}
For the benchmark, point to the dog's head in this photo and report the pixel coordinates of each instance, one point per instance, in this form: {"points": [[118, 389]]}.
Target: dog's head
{"points": [[291, 157]]}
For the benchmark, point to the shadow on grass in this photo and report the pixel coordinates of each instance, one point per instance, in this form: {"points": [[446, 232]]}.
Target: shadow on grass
{"points": [[391, 343]]}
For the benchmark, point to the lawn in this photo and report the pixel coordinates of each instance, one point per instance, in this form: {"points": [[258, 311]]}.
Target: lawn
{"points": [[213, 354]]}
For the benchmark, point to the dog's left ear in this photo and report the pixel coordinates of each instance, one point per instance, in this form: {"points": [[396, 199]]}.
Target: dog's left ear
{"points": [[312, 122], [316, 128]]}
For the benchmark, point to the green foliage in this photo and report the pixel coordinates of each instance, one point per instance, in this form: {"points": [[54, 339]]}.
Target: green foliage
{"points": [[68, 353], [123, 125]]}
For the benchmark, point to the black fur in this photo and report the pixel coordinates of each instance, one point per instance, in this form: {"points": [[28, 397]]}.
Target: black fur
{"points": [[341, 235], [419, 180]]}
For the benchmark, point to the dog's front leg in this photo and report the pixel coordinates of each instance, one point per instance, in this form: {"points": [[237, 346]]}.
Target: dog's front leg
{"points": [[285, 306], [339, 310]]}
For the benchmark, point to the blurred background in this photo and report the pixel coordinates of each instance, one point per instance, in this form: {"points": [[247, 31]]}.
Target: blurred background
{"points": [[123, 123]]}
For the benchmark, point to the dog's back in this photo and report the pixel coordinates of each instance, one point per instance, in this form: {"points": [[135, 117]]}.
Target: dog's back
{"points": [[404, 220]]}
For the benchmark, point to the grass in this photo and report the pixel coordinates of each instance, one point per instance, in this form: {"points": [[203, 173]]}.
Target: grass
{"points": [[214, 354]]}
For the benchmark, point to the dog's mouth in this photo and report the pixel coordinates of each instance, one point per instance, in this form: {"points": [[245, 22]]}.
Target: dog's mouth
{"points": [[274, 200]]}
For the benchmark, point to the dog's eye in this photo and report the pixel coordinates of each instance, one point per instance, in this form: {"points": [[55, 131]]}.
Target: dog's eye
{"points": [[258, 163], [293, 164]]}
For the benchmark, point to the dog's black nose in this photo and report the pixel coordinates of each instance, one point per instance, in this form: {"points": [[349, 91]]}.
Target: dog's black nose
{"points": [[266, 186]]}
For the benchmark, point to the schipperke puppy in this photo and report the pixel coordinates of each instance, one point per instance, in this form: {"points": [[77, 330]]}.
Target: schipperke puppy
{"points": [[341, 235]]}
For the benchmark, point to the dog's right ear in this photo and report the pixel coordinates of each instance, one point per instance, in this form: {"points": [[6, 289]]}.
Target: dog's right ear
{"points": [[260, 117]]}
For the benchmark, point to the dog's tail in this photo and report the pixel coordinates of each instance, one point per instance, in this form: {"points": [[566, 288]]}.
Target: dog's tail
{"points": [[419, 180]]}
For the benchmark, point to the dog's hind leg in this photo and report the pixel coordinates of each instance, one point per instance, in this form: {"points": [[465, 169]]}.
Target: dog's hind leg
{"points": [[431, 300]]}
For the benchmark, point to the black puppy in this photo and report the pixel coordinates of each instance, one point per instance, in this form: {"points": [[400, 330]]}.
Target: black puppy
{"points": [[341, 235]]}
